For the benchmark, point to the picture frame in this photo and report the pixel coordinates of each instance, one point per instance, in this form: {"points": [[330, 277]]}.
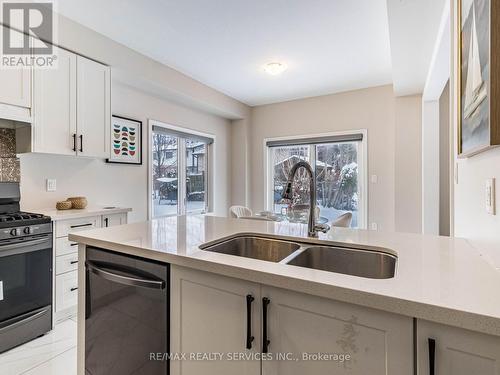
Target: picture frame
{"points": [[478, 76], [125, 141]]}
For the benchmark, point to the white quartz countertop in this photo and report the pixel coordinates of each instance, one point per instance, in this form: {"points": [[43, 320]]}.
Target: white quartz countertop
{"points": [[74, 214], [437, 279]]}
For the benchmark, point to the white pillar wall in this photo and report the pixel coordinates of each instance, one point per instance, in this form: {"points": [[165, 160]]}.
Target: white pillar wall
{"points": [[430, 167]]}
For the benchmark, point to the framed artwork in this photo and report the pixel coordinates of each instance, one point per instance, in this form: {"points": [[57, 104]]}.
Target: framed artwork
{"points": [[126, 141], [479, 73]]}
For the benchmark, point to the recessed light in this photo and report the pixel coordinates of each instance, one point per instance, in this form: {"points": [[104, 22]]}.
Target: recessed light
{"points": [[275, 68]]}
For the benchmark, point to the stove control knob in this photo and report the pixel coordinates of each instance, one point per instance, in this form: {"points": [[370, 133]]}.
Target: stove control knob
{"points": [[27, 230], [14, 232]]}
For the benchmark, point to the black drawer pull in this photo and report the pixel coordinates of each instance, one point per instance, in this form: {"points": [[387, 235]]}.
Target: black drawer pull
{"points": [[265, 340], [74, 142], [81, 142], [73, 262], [432, 356], [74, 244], [74, 288], [106, 222], [81, 225], [250, 338]]}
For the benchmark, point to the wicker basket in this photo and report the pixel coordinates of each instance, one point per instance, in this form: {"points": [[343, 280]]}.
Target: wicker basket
{"points": [[64, 205], [78, 202]]}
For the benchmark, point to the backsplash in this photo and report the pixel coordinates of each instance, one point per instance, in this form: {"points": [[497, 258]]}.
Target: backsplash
{"points": [[10, 170]]}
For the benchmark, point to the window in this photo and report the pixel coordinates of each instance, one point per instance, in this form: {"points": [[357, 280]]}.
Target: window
{"points": [[338, 162], [179, 167]]}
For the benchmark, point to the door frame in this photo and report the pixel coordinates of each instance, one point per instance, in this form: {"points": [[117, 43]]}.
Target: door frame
{"points": [[181, 167]]}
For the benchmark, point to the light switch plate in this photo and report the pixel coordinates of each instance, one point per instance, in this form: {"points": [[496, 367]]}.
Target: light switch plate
{"points": [[374, 178], [1, 290], [374, 226], [51, 184], [490, 196]]}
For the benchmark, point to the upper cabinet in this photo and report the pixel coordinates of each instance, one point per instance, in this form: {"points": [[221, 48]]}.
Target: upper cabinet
{"points": [[93, 108], [71, 110], [15, 91], [54, 123]]}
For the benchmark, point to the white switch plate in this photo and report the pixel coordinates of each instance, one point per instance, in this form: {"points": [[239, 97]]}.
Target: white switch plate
{"points": [[374, 226], [374, 178], [490, 196], [51, 184], [1, 290]]}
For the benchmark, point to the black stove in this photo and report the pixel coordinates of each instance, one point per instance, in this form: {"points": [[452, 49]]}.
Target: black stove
{"points": [[25, 271]]}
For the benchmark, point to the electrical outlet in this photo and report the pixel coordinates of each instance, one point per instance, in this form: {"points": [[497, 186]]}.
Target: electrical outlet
{"points": [[51, 184], [490, 196], [374, 226]]}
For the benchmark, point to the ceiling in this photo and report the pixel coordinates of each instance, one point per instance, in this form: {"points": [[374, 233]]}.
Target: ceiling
{"points": [[329, 45]]}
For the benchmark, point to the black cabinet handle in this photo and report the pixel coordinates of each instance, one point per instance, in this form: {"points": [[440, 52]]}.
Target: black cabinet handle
{"points": [[81, 142], [74, 142], [432, 356], [74, 288], [73, 262], [106, 222], [250, 338], [81, 225], [265, 340], [73, 244]]}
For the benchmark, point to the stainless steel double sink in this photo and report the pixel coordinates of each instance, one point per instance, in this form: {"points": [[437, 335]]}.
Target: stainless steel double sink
{"points": [[367, 263]]}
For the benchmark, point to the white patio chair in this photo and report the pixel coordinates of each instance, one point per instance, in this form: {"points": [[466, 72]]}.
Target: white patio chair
{"points": [[239, 211]]}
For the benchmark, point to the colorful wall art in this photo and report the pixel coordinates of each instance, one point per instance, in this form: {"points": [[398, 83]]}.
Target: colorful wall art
{"points": [[126, 141]]}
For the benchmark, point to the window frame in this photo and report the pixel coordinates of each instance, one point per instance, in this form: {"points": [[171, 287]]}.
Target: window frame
{"points": [[181, 169], [362, 168]]}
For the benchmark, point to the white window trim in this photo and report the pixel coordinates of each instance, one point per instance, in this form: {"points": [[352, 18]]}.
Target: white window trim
{"points": [[210, 167], [362, 165]]}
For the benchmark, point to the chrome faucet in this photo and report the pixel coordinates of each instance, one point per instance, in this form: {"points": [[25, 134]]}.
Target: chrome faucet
{"points": [[312, 227]]}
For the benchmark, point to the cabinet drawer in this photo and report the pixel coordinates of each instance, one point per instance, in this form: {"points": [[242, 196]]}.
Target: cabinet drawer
{"points": [[65, 263], [66, 290], [65, 246], [64, 227]]}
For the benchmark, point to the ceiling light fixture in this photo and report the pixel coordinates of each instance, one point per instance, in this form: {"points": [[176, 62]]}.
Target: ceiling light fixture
{"points": [[275, 68]]}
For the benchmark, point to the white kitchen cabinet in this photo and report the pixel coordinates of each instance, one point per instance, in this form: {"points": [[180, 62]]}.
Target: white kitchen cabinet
{"points": [[209, 315], [114, 219], [457, 351], [15, 87], [93, 108], [377, 342], [54, 122]]}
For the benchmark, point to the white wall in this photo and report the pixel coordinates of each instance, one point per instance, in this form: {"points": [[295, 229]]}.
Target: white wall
{"points": [[121, 184], [445, 152], [372, 109], [408, 164], [470, 218]]}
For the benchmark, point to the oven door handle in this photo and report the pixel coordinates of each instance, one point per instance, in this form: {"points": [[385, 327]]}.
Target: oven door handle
{"points": [[132, 278], [26, 318], [24, 247]]}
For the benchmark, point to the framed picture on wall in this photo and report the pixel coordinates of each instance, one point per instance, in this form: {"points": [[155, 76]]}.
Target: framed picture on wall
{"points": [[125, 141], [479, 76]]}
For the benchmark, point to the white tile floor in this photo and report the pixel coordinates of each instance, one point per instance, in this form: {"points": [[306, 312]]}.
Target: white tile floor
{"points": [[52, 354]]}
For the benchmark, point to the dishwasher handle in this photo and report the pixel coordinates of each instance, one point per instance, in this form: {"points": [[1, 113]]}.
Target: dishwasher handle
{"points": [[124, 275]]}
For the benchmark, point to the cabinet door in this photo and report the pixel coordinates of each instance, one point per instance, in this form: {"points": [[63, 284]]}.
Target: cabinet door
{"points": [[94, 111], [54, 128], [15, 87], [457, 351], [114, 219], [209, 315], [376, 342]]}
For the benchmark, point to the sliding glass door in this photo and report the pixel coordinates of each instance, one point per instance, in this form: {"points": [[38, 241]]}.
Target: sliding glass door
{"points": [[179, 167]]}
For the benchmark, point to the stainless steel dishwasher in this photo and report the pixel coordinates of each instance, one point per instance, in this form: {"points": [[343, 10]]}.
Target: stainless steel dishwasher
{"points": [[126, 314]]}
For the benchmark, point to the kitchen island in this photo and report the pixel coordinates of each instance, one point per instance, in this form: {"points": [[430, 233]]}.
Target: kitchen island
{"points": [[443, 295]]}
